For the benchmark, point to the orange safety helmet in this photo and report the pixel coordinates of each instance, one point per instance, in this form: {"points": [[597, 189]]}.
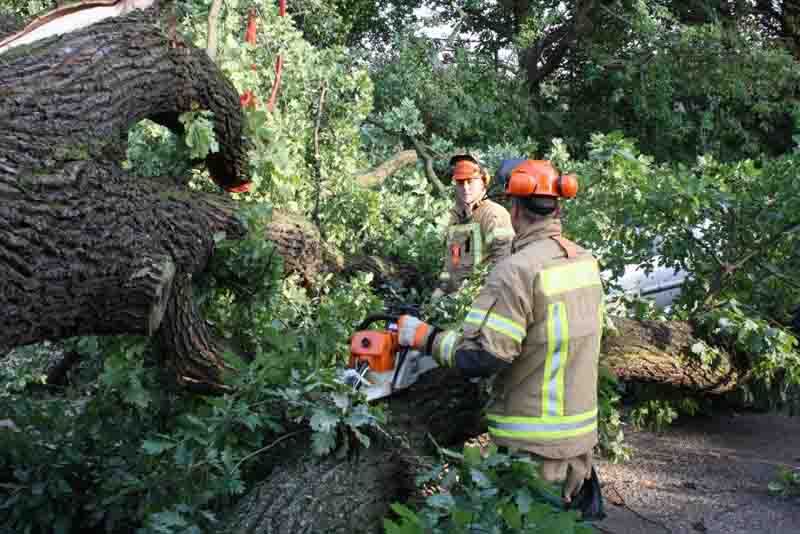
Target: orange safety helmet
{"points": [[465, 166], [536, 177]]}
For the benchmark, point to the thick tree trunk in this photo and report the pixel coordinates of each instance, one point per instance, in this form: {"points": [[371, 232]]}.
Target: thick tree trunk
{"points": [[351, 495], [304, 494], [661, 352], [84, 247]]}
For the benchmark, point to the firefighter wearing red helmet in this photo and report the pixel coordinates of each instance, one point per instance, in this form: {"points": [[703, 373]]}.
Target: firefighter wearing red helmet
{"points": [[479, 230], [537, 324]]}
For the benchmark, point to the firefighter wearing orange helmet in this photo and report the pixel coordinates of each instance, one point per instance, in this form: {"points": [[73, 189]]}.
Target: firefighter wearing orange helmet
{"points": [[537, 324], [479, 230]]}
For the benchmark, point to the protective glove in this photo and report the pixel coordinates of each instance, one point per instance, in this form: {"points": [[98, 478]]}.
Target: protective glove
{"points": [[414, 333]]}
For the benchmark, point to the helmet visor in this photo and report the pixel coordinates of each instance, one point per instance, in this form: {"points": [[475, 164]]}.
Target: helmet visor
{"points": [[465, 169]]}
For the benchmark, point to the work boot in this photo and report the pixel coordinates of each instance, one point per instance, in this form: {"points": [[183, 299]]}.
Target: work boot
{"points": [[589, 500]]}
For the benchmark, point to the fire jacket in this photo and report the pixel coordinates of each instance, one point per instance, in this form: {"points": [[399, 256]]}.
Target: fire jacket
{"points": [[538, 320], [485, 235]]}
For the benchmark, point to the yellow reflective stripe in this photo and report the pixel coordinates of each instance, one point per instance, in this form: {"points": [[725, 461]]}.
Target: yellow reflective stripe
{"points": [[543, 428], [499, 232], [546, 419], [570, 277], [555, 360], [469, 227], [496, 322], [445, 276], [445, 349]]}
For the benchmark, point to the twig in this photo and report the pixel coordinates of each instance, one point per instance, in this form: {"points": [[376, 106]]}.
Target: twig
{"points": [[435, 61], [760, 244], [317, 156], [777, 274], [268, 447]]}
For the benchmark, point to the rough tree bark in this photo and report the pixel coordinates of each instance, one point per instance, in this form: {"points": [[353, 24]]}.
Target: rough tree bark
{"points": [[661, 353], [84, 247], [352, 494]]}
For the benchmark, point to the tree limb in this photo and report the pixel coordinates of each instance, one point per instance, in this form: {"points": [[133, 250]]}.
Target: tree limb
{"points": [[317, 157], [376, 176], [429, 172], [778, 274], [213, 15], [761, 244]]}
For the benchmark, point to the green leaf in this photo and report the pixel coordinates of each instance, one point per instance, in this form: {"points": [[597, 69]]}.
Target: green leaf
{"points": [[324, 421], [323, 443], [156, 447], [342, 401], [511, 515], [472, 455], [523, 499], [410, 523], [441, 500], [480, 479], [462, 518], [775, 487]]}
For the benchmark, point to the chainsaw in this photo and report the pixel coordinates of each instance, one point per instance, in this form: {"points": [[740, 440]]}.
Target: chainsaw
{"points": [[379, 366]]}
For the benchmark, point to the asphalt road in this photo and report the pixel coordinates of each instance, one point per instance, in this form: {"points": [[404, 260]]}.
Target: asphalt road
{"points": [[705, 475]]}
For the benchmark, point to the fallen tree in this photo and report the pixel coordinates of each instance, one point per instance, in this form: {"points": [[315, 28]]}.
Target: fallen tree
{"points": [[86, 248]]}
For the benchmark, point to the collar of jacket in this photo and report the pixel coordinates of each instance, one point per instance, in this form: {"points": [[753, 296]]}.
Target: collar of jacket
{"points": [[544, 229], [459, 214]]}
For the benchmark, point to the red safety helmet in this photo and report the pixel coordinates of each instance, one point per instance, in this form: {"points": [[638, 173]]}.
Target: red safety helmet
{"points": [[539, 178], [466, 166]]}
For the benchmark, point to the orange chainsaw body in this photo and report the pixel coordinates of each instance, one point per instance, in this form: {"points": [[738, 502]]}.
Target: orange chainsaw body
{"points": [[376, 347]]}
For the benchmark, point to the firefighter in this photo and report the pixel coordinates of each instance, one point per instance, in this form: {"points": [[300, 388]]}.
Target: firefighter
{"points": [[537, 323], [479, 229]]}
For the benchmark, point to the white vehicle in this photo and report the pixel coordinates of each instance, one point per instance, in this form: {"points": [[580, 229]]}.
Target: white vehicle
{"points": [[662, 285]]}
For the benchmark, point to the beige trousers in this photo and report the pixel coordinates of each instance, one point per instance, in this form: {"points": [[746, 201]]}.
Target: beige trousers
{"points": [[569, 472]]}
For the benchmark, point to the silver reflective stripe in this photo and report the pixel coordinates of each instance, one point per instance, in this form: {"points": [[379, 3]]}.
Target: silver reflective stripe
{"points": [[556, 359], [545, 427], [446, 348]]}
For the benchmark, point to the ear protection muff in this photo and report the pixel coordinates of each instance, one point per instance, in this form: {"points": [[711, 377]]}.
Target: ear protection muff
{"points": [[567, 186]]}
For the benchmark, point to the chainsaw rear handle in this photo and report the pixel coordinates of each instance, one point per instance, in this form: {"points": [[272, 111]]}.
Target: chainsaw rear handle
{"points": [[374, 318]]}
